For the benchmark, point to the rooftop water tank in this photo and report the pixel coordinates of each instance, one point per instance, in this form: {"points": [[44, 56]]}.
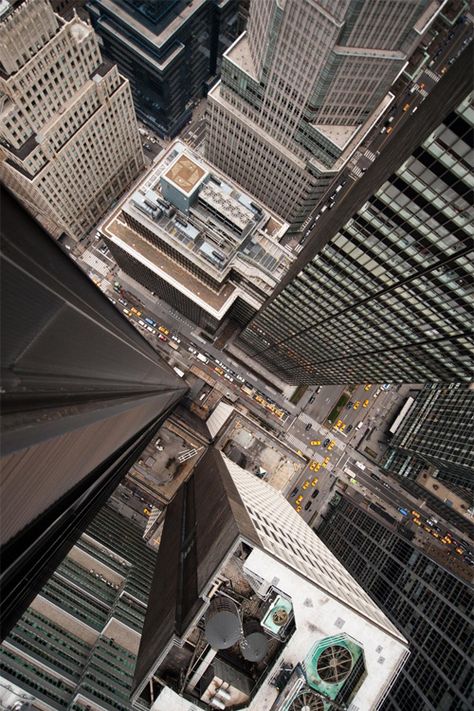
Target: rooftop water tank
{"points": [[254, 644], [222, 627]]}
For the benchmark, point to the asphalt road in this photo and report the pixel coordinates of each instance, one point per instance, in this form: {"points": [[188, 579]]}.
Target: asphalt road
{"points": [[393, 497], [324, 401], [165, 315]]}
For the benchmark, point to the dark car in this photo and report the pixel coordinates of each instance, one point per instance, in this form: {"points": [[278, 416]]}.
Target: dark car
{"points": [[326, 441], [349, 428], [294, 492], [349, 405], [315, 493], [311, 399], [307, 505], [308, 427]]}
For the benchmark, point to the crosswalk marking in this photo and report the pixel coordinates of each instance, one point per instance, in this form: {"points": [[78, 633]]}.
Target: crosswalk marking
{"points": [[295, 441], [370, 155], [431, 74]]}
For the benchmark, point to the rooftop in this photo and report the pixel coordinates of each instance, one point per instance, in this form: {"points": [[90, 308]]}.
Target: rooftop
{"points": [[339, 135], [185, 206], [185, 173], [155, 33], [239, 54]]}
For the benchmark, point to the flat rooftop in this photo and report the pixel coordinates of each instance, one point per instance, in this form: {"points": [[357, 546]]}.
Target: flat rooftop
{"points": [[339, 135], [185, 173], [239, 54], [168, 268]]}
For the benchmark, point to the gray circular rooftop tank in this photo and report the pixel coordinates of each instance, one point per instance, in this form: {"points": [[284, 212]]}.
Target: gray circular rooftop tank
{"points": [[222, 627], [254, 645]]}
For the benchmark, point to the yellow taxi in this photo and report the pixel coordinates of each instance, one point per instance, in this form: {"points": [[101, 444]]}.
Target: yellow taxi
{"points": [[305, 485], [315, 442], [147, 512], [315, 481], [342, 427], [219, 370], [164, 330], [338, 424], [299, 499], [416, 521], [365, 403], [325, 462], [459, 551], [415, 514], [135, 311], [298, 509], [368, 386], [406, 107], [357, 405], [331, 445]]}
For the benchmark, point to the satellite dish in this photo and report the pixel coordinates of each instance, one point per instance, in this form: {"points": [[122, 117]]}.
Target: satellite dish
{"points": [[222, 626]]}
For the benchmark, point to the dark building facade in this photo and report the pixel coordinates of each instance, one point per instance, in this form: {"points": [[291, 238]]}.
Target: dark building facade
{"points": [[432, 607], [381, 291], [437, 430], [169, 50], [82, 395], [76, 645]]}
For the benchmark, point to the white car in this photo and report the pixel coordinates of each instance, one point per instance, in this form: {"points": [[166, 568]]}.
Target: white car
{"points": [[192, 350], [229, 377]]}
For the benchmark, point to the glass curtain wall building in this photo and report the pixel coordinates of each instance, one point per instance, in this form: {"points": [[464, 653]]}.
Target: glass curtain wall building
{"points": [[75, 646], [82, 395], [431, 606], [383, 292], [169, 50], [437, 431]]}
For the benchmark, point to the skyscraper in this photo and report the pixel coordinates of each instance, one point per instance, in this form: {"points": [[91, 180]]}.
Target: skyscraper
{"points": [[82, 395], [198, 240], [436, 431], [301, 89], [247, 606], [76, 645], [69, 142], [169, 50], [381, 291], [431, 606]]}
